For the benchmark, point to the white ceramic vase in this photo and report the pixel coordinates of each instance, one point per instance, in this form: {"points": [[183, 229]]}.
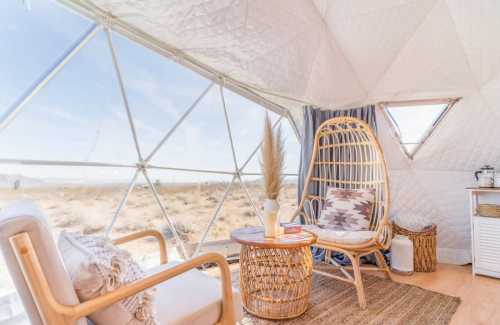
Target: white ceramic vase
{"points": [[271, 218]]}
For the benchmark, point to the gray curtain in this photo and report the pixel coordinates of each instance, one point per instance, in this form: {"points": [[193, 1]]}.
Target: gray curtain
{"points": [[313, 117]]}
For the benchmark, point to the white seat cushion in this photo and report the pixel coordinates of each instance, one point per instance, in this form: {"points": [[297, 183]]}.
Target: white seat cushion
{"points": [[348, 237], [192, 298]]}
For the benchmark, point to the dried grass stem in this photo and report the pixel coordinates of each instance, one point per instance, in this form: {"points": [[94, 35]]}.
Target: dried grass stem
{"points": [[272, 160]]}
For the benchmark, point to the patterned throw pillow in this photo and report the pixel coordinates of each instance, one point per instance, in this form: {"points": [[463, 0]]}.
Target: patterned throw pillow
{"points": [[97, 267], [348, 209]]}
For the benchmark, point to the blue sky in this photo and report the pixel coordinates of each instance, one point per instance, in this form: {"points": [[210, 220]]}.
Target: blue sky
{"points": [[80, 116]]}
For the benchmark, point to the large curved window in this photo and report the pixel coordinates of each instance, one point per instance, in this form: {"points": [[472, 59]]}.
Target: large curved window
{"points": [[109, 137]]}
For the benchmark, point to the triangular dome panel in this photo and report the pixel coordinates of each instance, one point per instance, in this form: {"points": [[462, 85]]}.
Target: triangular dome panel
{"points": [[431, 65], [202, 135], [332, 82], [447, 197], [460, 141], [491, 92], [476, 23], [410, 200], [362, 32]]}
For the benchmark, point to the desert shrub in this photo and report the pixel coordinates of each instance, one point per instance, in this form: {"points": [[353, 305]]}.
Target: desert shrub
{"points": [[245, 204], [92, 229], [69, 220], [184, 230], [129, 228], [212, 199]]}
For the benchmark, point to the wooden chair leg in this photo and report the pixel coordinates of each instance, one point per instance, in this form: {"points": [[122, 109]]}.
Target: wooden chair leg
{"points": [[358, 281], [382, 264]]}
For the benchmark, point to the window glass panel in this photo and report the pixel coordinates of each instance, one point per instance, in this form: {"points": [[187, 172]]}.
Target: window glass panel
{"points": [[247, 124], [236, 212], [292, 148], [189, 198], [413, 122], [78, 116], [158, 89], [24, 31], [292, 151], [288, 199], [201, 141]]}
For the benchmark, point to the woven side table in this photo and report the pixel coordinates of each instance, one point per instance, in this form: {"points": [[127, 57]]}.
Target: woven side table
{"points": [[275, 274]]}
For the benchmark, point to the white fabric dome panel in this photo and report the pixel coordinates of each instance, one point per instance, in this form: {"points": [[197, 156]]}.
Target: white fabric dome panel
{"points": [[465, 140], [432, 64], [362, 32], [446, 193], [491, 93], [332, 80], [477, 24]]}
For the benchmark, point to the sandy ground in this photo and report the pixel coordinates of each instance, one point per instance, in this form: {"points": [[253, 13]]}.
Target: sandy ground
{"points": [[90, 209]]}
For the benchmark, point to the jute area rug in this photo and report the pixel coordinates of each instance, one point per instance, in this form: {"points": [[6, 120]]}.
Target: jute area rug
{"points": [[335, 302]]}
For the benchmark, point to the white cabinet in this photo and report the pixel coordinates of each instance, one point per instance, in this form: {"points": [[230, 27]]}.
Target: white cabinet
{"points": [[485, 235]]}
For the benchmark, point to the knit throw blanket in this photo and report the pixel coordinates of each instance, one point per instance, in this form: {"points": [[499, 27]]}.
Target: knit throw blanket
{"points": [[107, 268]]}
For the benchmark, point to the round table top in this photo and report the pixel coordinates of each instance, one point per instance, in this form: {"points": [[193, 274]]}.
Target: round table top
{"points": [[254, 236]]}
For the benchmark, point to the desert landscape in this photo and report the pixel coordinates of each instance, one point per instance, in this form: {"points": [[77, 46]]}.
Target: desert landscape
{"points": [[90, 208]]}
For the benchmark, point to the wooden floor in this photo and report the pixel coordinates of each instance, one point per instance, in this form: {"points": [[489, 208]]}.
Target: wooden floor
{"points": [[480, 295]]}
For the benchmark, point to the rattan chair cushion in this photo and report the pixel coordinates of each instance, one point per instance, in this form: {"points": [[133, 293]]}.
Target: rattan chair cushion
{"points": [[351, 237]]}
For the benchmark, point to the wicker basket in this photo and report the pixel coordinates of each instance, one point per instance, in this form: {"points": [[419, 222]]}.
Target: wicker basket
{"points": [[488, 210], [424, 247]]}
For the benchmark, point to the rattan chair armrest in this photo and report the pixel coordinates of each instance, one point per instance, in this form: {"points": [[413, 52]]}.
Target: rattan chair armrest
{"points": [[146, 233], [65, 314], [383, 236]]}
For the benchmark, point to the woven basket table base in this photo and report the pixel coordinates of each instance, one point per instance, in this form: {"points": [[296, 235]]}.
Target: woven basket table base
{"points": [[275, 283]]}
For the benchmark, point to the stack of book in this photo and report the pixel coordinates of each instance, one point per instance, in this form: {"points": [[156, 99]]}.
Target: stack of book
{"points": [[291, 228]]}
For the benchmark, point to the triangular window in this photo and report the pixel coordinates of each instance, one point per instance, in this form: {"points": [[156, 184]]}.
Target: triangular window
{"points": [[414, 121]]}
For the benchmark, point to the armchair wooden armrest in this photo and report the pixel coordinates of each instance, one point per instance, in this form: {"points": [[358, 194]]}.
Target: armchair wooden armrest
{"points": [[55, 313], [146, 233]]}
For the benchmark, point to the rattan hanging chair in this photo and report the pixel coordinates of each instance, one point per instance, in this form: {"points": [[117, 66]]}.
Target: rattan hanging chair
{"points": [[346, 154]]}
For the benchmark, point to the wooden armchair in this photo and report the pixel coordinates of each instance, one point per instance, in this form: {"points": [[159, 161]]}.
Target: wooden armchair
{"points": [[40, 278], [346, 154]]}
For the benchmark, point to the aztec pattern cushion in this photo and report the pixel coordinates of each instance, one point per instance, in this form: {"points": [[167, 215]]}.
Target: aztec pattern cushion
{"points": [[348, 209], [97, 267]]}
